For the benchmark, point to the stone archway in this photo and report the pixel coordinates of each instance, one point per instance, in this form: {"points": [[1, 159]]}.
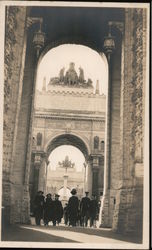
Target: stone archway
{"points": [[127, 90], [68, 139], [92, 161]]}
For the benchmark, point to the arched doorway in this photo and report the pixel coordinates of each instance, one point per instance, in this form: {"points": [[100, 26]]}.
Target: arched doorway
{"points": [[73, 110], [67, 169]]}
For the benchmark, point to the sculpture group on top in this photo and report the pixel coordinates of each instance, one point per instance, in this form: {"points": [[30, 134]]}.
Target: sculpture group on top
{"points": [[71, 78]]}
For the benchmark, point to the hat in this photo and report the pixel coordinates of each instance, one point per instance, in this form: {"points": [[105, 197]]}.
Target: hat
{"points": [[49, 194], [74, 191], [57, 195]]}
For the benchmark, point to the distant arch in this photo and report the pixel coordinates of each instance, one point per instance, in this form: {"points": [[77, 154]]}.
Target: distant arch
{"points": [[67, 139]]}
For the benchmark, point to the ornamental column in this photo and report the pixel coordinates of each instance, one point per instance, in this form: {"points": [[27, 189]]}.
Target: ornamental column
{"points": [[94, 160], [39, 158], [109, 46]]}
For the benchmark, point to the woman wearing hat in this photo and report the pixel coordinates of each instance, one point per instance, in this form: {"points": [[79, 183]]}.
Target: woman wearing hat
{"points": [[57, 210], [73, 205]]}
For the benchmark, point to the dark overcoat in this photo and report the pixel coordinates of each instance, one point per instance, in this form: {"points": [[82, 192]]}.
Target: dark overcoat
{"points": [[73, 205], [39, 206], [57, 210], [48, 210], [84, 206]]}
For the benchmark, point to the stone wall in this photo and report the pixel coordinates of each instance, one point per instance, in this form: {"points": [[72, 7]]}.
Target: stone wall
{"points": [[20, 71], [14, 63], [74, 101], [129, 200]]}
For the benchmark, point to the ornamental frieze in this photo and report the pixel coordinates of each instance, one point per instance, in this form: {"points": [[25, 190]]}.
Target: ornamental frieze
{"points": [[137, 97]]}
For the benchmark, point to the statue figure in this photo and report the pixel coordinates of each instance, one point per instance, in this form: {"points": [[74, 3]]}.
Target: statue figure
{"points": [[89, 83], [61, 74], [54, 80], [81, 75], [71, 76], [96, 142], [33, 141], [39, 139]]}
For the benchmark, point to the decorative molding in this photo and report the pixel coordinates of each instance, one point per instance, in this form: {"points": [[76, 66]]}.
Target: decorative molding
{"points": [[137, 83], [75, 92], [65, 117]]}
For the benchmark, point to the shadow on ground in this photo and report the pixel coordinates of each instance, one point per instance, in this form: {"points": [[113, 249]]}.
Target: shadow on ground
{"points": [[16, 233]]}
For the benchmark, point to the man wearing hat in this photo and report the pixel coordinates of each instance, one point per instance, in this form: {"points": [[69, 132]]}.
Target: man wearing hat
{"points": [[48, 209], [84, 208], [38, 207], [93, 210], [73, 205], [57, 210]]}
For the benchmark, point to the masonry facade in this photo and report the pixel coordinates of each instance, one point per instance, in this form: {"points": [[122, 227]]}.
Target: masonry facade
{"points": [[69, 112], [122, 207]]}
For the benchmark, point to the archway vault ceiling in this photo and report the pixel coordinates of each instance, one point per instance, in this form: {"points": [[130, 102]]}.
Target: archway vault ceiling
{"points": [[68, 139], [78, 25]]}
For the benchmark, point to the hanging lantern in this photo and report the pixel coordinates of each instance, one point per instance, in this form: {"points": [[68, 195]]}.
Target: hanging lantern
{"points": [[38, 40], [109, 43]]}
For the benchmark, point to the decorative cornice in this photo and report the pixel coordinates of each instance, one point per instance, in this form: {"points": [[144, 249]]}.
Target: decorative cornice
{"points": [[72, 117], [72, 91], [67, 112]]}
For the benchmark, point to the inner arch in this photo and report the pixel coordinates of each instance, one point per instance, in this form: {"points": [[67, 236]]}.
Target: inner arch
{"points": [[68, 139]]}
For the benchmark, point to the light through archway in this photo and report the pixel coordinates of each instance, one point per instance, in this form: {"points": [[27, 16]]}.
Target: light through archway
{"points": [[66, 171], [70, 111], [94, 64]]}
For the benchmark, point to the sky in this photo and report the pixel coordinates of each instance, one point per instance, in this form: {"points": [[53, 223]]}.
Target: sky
{"points": [[94, 66], [61, 152]]}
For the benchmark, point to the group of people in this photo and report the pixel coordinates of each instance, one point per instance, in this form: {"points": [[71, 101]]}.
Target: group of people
{"points": [[75, 213], [47, 209]]}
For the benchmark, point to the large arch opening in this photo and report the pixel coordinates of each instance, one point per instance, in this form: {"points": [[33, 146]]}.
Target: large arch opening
{"points": [[70, 109], [54, 58]]}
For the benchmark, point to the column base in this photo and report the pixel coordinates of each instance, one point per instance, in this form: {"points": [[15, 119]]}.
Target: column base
{"points": [[20, 205], [128, 211], [104, 212], [25, 212]]}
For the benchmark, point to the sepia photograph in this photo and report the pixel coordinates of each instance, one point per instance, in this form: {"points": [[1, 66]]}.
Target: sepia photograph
{"points": [[74, 124]]}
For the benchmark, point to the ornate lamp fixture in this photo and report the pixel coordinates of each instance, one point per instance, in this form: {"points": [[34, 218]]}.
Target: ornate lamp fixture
{"points": [[39, 39], [109, 43]]}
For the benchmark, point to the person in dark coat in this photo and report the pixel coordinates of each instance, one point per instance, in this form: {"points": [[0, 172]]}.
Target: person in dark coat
{"points": [[38, 207], [57, 210], [48, 209], [73, 205], [93, 210], [84, 208]]}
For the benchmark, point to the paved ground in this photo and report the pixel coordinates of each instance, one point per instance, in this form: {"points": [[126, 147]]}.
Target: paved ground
{"points": [[32, 233]]}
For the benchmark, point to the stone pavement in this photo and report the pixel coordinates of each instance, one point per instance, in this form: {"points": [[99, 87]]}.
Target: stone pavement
{"points": [[66, 234]]}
